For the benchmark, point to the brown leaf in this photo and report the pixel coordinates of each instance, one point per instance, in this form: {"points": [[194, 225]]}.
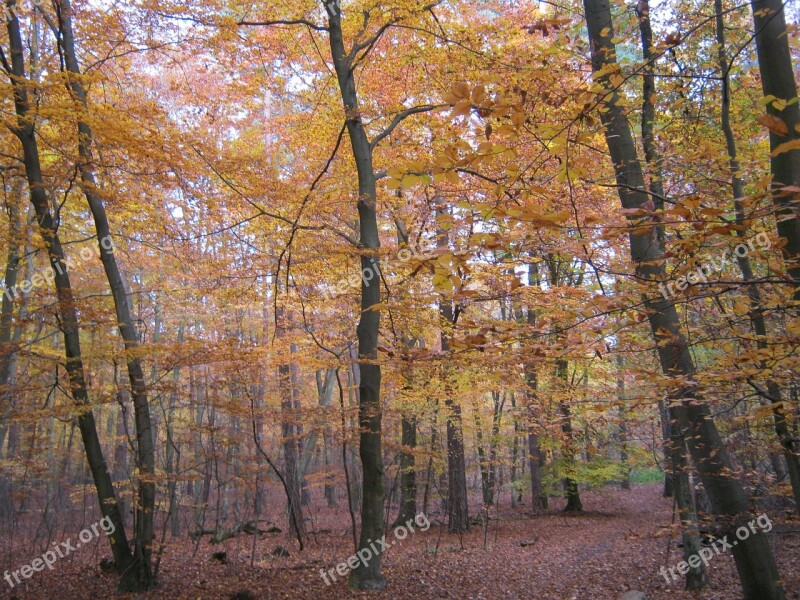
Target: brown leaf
{"points": [[773, 123]]}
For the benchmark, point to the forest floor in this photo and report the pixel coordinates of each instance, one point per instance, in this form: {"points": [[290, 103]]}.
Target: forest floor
{"points": [[618, 544]]}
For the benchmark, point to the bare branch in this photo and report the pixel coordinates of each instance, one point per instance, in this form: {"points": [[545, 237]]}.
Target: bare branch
{"points": [[367, 45], [48, 19], [401, 116], [308, 24]]}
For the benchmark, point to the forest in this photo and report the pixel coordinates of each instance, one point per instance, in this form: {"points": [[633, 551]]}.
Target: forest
{"points": [[400, 299]]}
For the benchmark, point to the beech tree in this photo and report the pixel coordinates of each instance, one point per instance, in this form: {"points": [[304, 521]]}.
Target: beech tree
{"points": [[142, 570], [401, 253], [25, 131], [754, 561]]}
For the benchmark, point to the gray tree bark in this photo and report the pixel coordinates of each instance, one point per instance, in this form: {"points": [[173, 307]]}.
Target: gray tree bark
{"points": [[142, 578], [754, 561], [24, 130], [777, 80], [370, 416], [774, 395]]}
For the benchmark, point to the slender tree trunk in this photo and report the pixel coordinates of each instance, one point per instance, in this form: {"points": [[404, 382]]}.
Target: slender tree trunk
{"points": [[457, 507], [408, 424], [297, 411], [25, 132], [434, 447], [651, 154], [495, 479], [696, 577], [753, 556], [289, 397], [325, 389], [512, 476], [370, 445], [173, 451], [7, 347], [571, 491], [535, 458], [483, 463], [666, 433], [121, 472], [623, 425], [145, 509], [408, 474], [774, 395], [654, 163]]}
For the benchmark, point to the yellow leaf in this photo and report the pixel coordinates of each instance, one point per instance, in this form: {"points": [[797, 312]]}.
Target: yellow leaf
{"points": [[443, 161], [453, 177], [409, 180], [442, 283]]}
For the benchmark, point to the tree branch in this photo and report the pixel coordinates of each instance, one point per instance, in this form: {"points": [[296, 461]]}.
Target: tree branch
{"points": [[367, 45], [308, 24], [401, 116]]}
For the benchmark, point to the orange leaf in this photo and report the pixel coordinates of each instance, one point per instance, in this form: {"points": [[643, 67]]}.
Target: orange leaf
{"points": [[773, 123], [786, 147]]}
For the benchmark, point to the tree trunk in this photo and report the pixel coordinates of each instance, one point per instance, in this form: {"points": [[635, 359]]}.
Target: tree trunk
{"points": [[8, 349], [483, 463], [145, 508], [408, 474], [571, 491], [666, 433], [696, 577], [325, 394], [173, 451], [25, 132], [495, 481], [774, 395], [753, 556], [291, 470], [623, 425], [434, 447], [777, 80], [370, 445], [121, 472], [512, 476], [535, 458], [457, 506], [651, 154], [654, 163]]}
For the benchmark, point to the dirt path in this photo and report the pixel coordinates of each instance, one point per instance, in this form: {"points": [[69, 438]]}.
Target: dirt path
{"points": [[619, 544]]}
